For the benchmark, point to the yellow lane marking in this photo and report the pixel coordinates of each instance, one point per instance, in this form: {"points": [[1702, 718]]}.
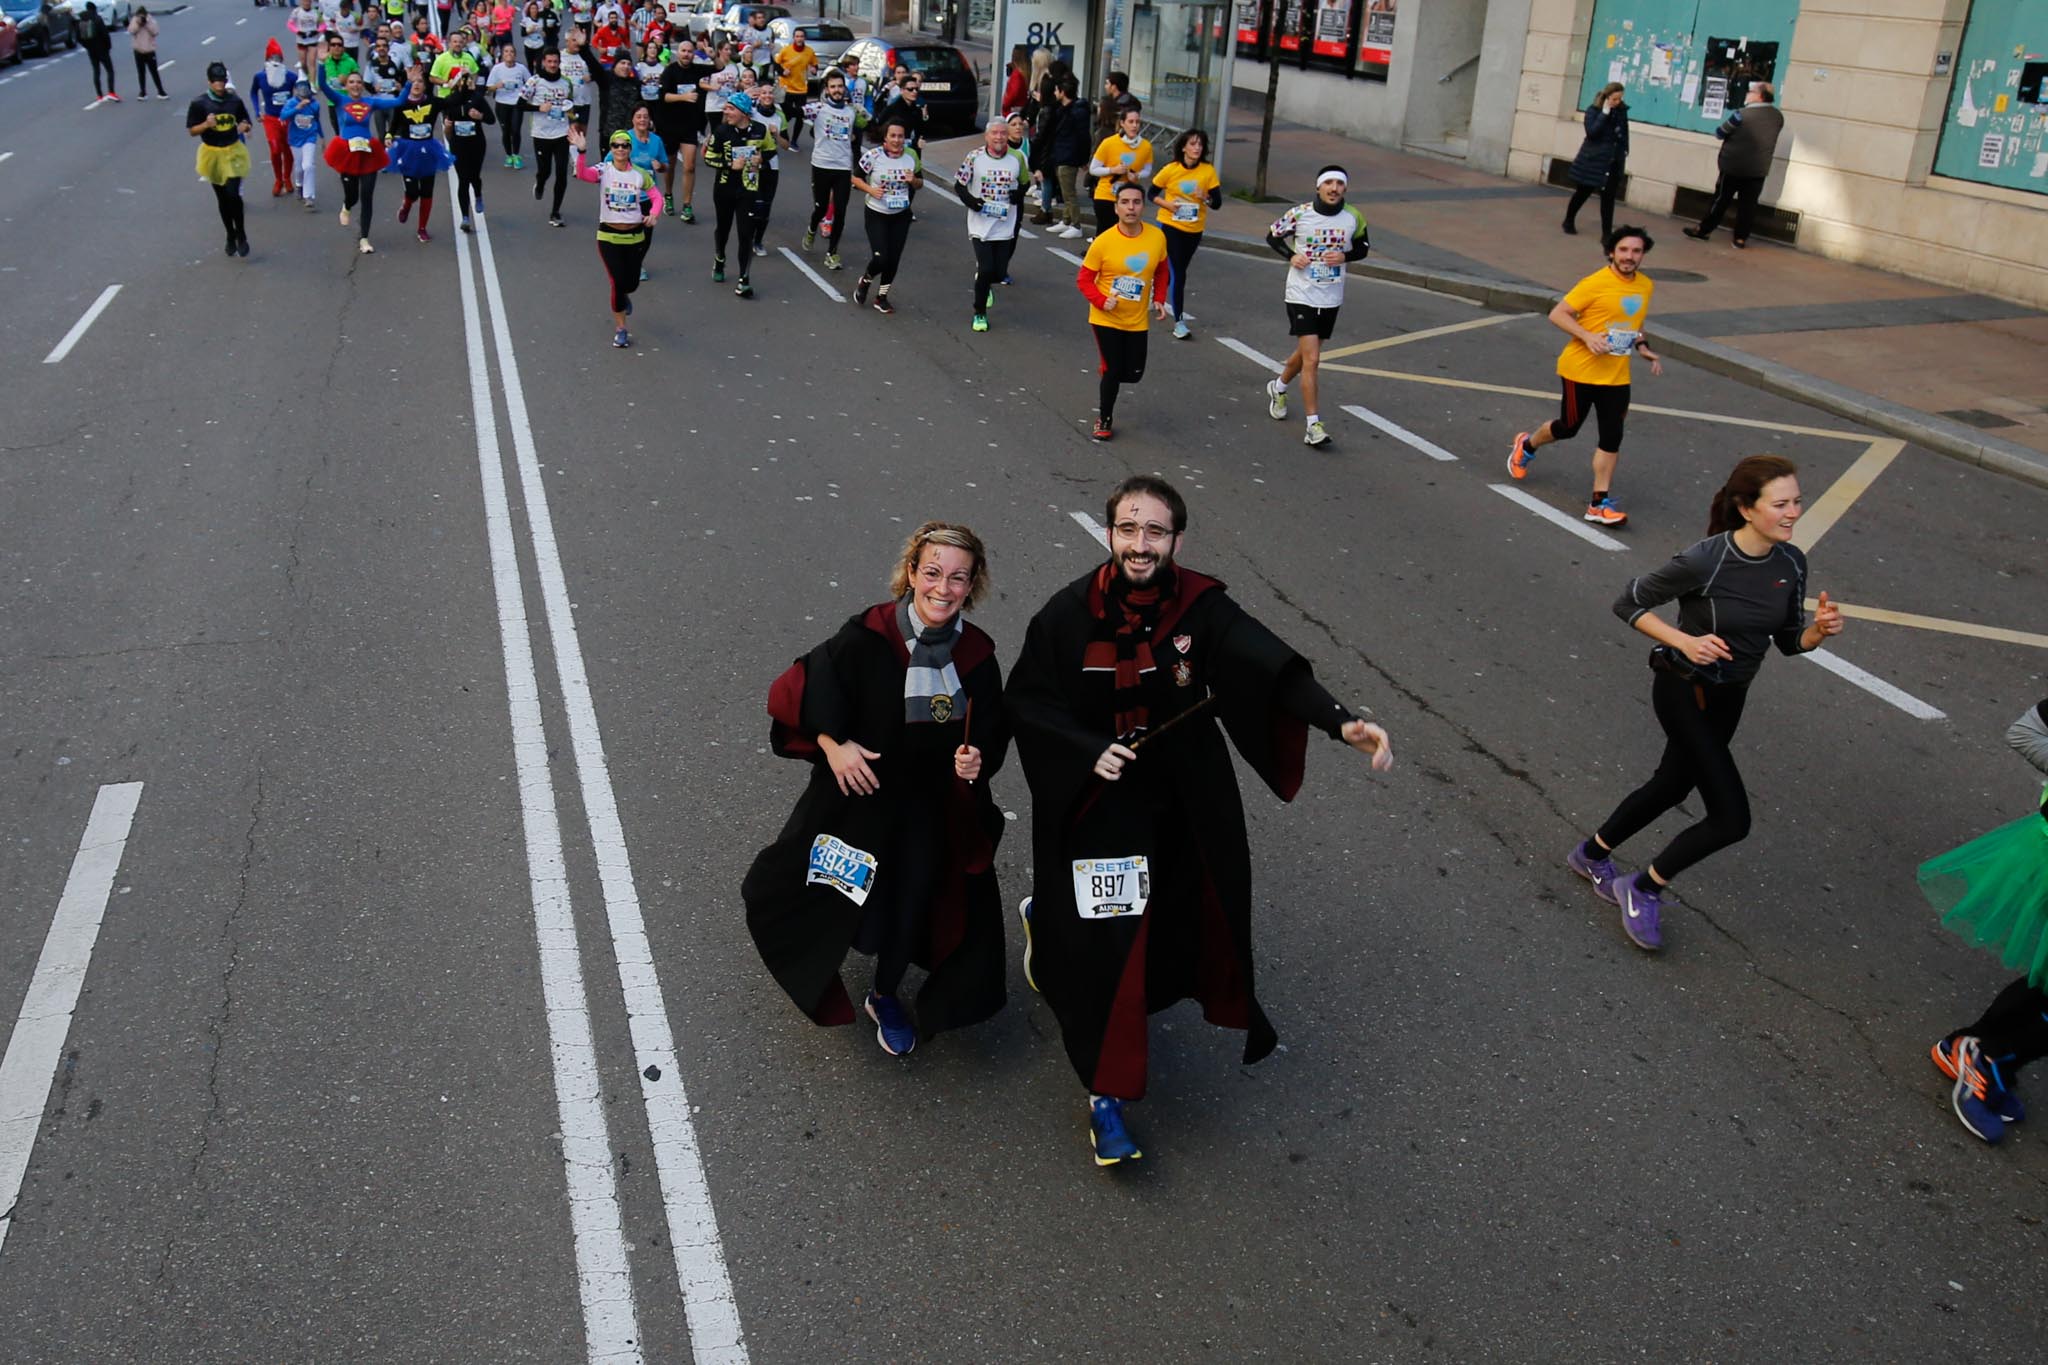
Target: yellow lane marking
{"points": [[1946, 627], [1827, 509], [1444, 381], [1491, 320]]}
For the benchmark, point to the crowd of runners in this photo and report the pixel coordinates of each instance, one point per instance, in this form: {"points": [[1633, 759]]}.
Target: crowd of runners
{"points": [[1131, 680]]}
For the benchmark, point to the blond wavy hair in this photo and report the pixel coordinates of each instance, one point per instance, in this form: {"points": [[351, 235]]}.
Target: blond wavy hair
{"points": [[947, 534]]}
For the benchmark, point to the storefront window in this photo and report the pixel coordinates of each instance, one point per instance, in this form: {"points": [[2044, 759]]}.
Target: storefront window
{"points": [[1355, 37], [1686, 64], [1996, 132]]}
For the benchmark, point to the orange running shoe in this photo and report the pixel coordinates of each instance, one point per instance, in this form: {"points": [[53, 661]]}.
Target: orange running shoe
{"points": [[1605, 513], [1519, 457]]}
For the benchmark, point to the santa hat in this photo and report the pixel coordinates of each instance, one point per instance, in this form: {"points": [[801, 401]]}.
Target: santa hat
{"points": [[273, 53]]}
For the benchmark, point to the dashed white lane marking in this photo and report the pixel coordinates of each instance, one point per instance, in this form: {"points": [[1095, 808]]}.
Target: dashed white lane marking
{"points": [[944, 194], [169, 64], [1027, 234], [240, 22], [204, 41], [30, 1066], [596, 1220], [1256, 357], [1400, 433], [1092, 527], [1064, 254], [813, 276], [5, 155], [95, 104], [1876, 686], [99, 305], [1557, 518], [708, 1303]]}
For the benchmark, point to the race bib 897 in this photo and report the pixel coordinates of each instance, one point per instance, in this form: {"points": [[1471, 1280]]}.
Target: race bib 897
{"points": [[1111, 888]]}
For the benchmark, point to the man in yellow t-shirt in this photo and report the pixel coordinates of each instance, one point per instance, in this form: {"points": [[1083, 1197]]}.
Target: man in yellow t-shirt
{"points": [[1123, 272], [1603, 315], [1123, 158], [796, 61]]}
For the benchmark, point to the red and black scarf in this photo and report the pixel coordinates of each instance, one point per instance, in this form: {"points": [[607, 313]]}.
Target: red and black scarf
{"points": [[1119, 650]]}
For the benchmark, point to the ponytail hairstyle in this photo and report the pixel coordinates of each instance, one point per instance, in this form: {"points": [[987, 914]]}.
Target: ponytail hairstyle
{"points": [[1745, 485]]}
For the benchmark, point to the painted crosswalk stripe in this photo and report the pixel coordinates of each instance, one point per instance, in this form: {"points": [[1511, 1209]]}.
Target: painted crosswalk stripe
{"points": [[813, 276], [1092, 527], [1557, 518], [78, 328], [30, 1066], [1256, 357], [1400, 433], [1875, 686], [1064, 254]]}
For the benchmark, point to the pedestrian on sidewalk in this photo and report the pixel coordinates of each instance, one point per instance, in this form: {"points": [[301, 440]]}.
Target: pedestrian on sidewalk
{"points": [[1739, 591], [1123, 272], [1994, 892], [1603, 316], [891, 848], [1602, 159], [1067, 152], [1117, 100], [1318, 239], [1128, 682], [1749, 139], [98, 42], [142, 38]]}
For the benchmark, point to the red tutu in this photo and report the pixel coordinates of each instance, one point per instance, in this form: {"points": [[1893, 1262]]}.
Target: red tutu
{"points": [[346, 162]]}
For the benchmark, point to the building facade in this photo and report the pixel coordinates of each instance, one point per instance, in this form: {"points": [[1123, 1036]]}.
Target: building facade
{"points": [[1916, 133]]}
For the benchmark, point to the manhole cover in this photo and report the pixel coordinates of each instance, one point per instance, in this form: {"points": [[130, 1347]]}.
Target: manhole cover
{"points": [[1679, 277], [1977, 417]]}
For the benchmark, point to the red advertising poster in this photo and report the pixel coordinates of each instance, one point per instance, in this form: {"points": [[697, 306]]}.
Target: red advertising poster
{"points": [[1333, 29], [1376, 46], [1247, 23]]}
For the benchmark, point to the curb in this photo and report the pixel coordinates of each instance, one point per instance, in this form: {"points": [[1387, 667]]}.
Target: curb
{"points": [[1943, 437]]}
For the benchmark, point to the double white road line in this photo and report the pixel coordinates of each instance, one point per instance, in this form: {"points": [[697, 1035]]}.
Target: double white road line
{"points": [[610, 1320]]}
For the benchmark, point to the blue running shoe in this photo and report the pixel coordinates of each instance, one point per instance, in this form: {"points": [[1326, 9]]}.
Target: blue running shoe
{"points": [[2003, 1102], [1973, 1091], [1106, 1132], [1599, 871], [1639, 911], [893, 1029], [1024, 913], [621, 340]]}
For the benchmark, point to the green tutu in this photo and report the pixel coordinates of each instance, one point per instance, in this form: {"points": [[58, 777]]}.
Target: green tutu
{"points": [[1994, 892]]}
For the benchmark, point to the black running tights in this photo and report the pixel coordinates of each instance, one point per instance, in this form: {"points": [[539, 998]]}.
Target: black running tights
{"points": [[991, 263], [830, 189], [2013, 1028], [551, 156], [1699, 720], [228, 199], [887, 234], [363, 188]]}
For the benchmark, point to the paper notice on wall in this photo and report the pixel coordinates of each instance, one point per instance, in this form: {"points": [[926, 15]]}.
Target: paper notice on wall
{"points": [[1616, 69], [1691, 93], [1991, 151], [1998, 104], [1660, 66], [2040, 165], [1966, 112], [1715, 101]]}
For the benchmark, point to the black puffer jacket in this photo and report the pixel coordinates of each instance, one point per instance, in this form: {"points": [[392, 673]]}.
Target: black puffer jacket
{"points": [[1604, 153]]}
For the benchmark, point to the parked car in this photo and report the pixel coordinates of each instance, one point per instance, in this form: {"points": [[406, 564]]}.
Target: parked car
{"points": [[10, 41], [700, 16], [947, 81], [735, 20], [40, 25], [830, 37], [115, 14]]}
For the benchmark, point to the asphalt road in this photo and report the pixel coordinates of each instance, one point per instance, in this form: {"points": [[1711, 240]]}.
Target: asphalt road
{"points": [[308, 1106]]}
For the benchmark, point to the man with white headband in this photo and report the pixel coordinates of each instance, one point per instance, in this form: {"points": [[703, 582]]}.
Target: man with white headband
{"points": [[1318, 239]]}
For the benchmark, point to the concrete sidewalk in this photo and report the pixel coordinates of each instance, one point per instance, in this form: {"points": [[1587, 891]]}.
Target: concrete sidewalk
{"points": [[1963, 374]]}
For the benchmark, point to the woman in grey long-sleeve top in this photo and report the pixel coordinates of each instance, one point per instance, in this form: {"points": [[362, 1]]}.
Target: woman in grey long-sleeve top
{"points": [[1994, 892], [1739, 591]]}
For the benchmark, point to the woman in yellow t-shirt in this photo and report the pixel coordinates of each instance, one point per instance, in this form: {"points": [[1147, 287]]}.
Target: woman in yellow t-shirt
{"points": [[1122, 159], [1185, 190]]}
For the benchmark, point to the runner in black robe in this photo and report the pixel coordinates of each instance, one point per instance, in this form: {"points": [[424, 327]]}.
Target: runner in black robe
{"points": [[1116, 699], [891, 848]]}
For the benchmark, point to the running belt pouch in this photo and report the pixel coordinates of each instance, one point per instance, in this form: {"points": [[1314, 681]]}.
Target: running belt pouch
{"points": [[1665, 659]]}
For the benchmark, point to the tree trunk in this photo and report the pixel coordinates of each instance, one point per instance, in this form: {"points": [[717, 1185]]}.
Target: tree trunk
{"points": [[1272, 96]]}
